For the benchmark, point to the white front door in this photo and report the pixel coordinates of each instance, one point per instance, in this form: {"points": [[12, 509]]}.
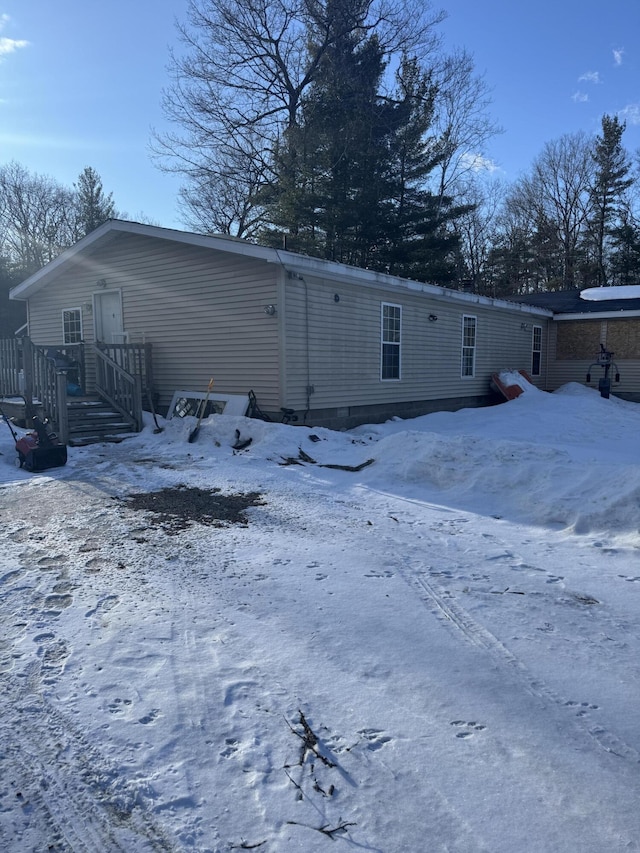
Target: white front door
{"points": [[108, 317]]}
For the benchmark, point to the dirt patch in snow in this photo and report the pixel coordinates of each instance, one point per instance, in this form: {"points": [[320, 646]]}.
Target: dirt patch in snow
{"points": [[176, 508]]}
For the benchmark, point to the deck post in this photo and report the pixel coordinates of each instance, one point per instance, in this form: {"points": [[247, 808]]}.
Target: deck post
{"points": [[61, 406], [27, 366]]}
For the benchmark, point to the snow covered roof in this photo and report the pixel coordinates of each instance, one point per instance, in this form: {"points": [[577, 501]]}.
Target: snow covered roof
{"points": [[606, 294], [600, 301]]}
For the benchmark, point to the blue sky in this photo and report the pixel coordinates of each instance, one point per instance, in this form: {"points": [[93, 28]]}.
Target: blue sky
{"points": [[81, 83]]}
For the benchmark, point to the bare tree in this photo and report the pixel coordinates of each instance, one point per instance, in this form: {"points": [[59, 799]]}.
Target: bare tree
{"points": [[220, 197], [34, 217], [477, 230], [238, 83], [462, 123], [556, 195]]}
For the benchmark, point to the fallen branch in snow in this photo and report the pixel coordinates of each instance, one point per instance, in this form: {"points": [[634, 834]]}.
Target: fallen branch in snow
{"points": [[586, 599], [309, 460], [295, 784], [245, 846], [309, 741], [341, 827], [350, 467]]}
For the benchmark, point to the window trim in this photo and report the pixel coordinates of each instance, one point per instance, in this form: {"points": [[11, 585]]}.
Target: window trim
{"points": [[78, 311], [537, 351], [464, 347], [384, 343]]}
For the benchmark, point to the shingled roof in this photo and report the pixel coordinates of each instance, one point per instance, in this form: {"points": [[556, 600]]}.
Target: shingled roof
{"points": [[569, 302]]}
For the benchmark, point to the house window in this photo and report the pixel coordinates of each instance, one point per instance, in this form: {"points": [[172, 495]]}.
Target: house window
{"points": [[536, 351], [391, 339], [469, 328], [72, 326]]}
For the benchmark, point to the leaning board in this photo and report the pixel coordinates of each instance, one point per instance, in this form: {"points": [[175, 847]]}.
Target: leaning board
{"points": [[189, 403]]}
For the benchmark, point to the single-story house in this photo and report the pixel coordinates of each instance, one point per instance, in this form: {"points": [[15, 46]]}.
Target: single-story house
{"points": [[338, 345], [586, 324]]}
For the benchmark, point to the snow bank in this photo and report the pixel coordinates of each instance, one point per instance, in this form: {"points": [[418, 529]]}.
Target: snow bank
{"points": [[569, 459]]}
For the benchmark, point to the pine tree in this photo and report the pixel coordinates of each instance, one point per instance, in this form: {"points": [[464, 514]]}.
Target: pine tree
{"points": [[609, 185], [351, 173], [93, 207], [624, 255], [346, 119], [329, 164]]}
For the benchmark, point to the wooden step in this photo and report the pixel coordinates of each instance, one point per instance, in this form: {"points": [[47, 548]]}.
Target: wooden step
{"points": [[91, 420]]}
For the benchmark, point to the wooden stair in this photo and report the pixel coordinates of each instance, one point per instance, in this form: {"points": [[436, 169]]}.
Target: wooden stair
{"points": [[91, 421]]}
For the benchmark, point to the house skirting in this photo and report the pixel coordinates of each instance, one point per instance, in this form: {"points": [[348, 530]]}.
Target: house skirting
{"points": [[353, 416]]}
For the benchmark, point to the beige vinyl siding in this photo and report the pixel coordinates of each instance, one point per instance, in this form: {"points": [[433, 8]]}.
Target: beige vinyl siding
{"points": [[202, 310], [342, 361]]}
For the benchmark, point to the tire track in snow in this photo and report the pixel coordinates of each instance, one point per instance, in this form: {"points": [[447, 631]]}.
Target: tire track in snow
{"points": [[248, 690], [463, 624], [66, 788], [453, 614], [57, 791]]}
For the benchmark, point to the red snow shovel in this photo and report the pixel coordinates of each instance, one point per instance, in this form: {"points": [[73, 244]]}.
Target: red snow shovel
{"points": [[194, 432]]}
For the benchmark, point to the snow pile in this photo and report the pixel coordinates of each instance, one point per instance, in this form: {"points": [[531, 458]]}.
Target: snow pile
{"points": [[424, 635], [514, 377]]}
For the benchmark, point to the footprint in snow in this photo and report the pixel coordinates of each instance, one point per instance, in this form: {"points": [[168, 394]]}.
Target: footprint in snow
{"points": [[108, 602], [375, 738], [581, 708], [54, 604], [468, 729], [232, 746], [153, 714]]}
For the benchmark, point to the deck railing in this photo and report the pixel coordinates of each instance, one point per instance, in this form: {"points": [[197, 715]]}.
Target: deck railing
{"points": [[11, 368], [41, 375], [121, 390], [134, 359]]}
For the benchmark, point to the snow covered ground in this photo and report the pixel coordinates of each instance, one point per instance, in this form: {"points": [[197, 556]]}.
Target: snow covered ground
{"points": [[437, 652]]}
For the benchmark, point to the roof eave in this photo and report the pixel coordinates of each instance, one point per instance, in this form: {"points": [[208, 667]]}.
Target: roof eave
{"points": [[598, 315], [222, 243], [40, 278]]}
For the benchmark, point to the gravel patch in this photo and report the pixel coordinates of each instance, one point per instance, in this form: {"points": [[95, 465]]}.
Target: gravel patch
{"points": [[176, 508]]}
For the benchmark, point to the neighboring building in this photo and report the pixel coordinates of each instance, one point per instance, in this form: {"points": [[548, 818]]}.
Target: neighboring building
{"points": [[582, 322], [339, 345]]}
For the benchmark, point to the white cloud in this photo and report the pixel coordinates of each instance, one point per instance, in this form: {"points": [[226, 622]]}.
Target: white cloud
{"points": [[8, 45], [11, 45], [590, 77], [478, 163], [580, 97], [617, 55], [631, 114]]}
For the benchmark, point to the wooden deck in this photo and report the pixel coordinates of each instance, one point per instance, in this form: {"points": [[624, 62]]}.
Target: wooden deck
{"points": [[45, 381]]}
